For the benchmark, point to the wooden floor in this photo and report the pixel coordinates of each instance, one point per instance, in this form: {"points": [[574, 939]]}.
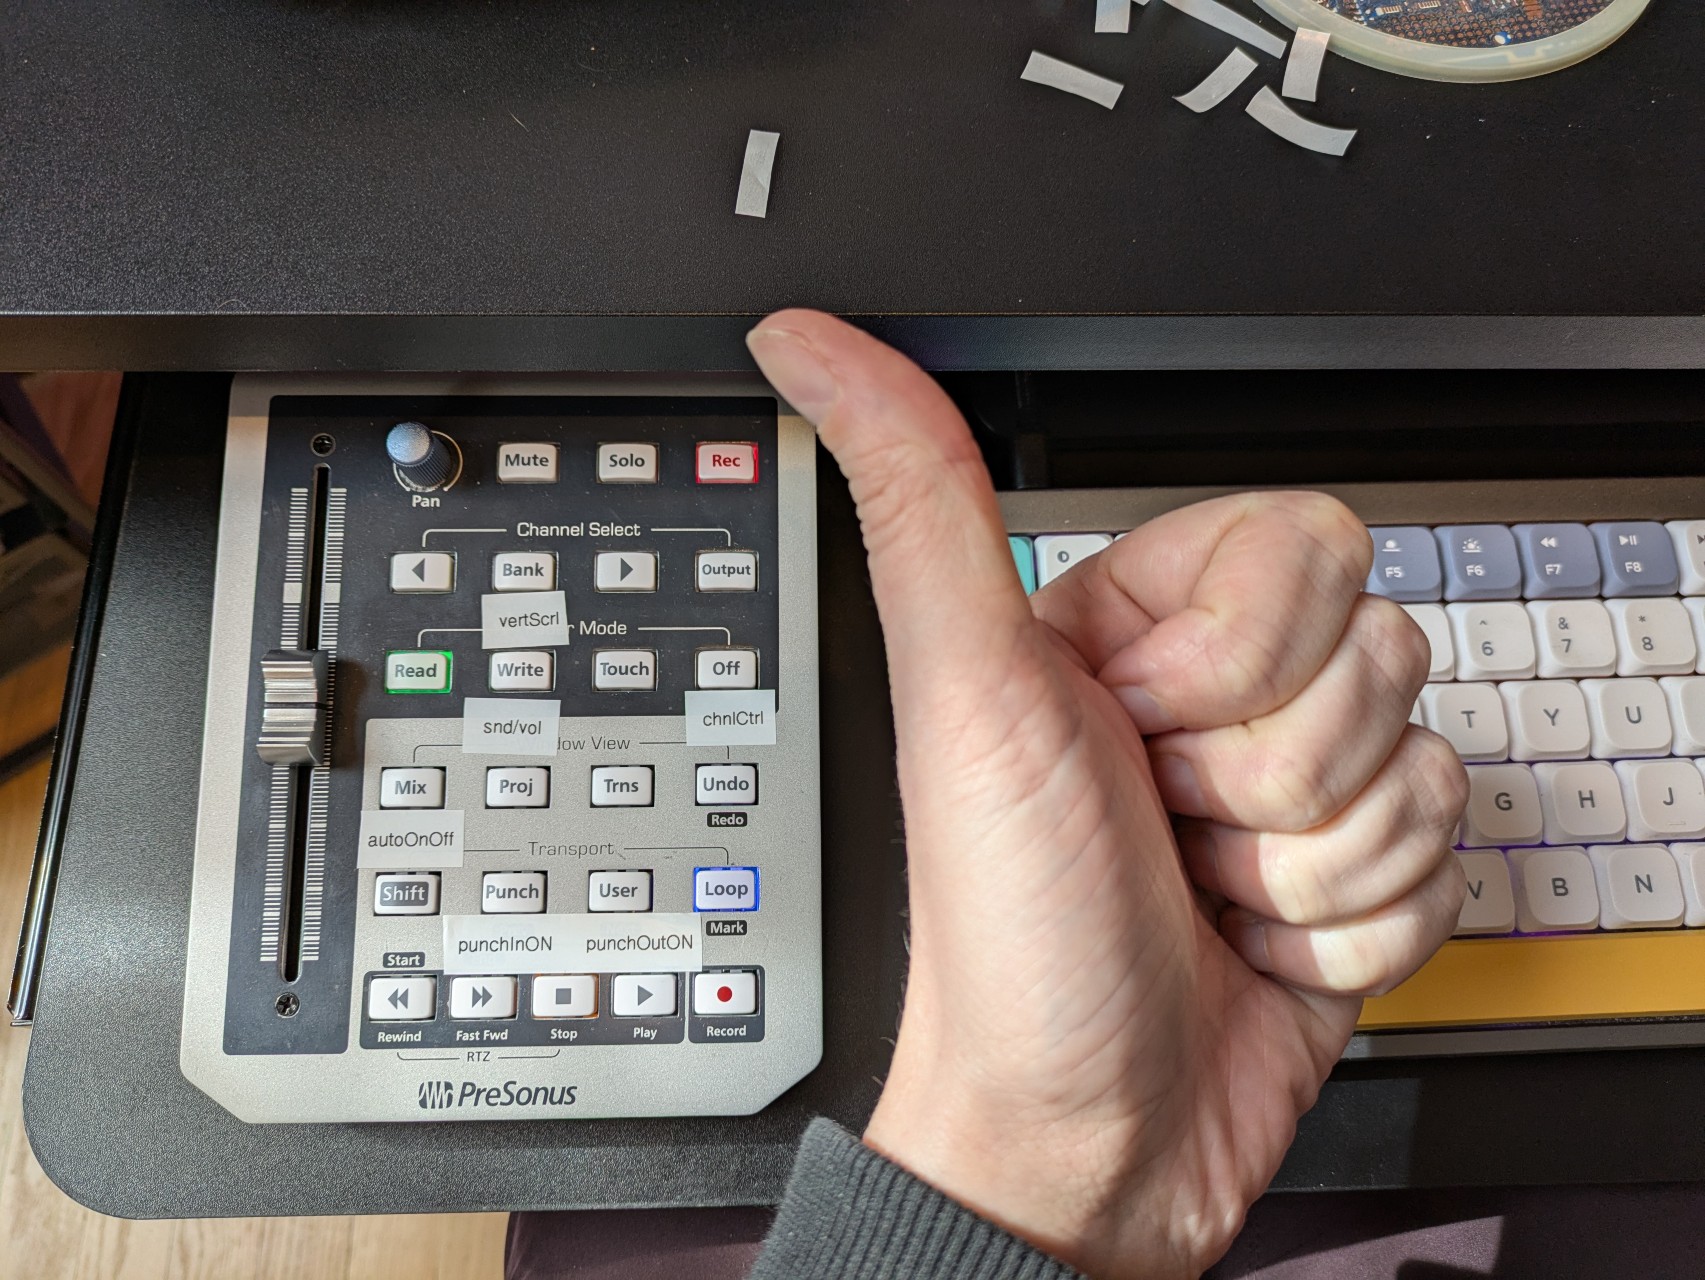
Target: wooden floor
{"points": [[46, 1236]]}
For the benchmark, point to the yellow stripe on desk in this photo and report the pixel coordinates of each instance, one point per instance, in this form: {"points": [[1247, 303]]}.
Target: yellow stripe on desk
{"points": [[1474, 981]]}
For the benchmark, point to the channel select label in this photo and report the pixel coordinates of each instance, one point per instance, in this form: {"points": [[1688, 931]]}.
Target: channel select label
{"points": [[652, 942], [510, 726], [409, 839], [731, 717], [518, 619]]}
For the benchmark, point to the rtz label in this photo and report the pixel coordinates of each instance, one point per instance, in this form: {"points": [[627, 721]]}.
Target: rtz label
{"points": [[513, 619], [510, 726]]}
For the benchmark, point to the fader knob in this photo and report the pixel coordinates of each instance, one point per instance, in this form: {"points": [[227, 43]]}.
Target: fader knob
{"points": [[422, 458]]}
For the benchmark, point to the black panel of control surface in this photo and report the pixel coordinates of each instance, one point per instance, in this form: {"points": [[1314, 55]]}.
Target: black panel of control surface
{"points": [[328, 477]]}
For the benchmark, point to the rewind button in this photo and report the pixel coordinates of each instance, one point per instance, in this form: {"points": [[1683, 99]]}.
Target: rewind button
{"points": [[482, 998], [401, 999]]}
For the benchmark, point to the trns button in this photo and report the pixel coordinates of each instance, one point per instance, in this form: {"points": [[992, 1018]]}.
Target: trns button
{"points": [[630, 669], [414, 893], [619, 891], [572, 995], [517, 788], [482, 997], [411, 788], [621, 786], [627, 464], [643, 995], [526, 463], [402, 999], [512, 892], [727, 784], [725, 994]]}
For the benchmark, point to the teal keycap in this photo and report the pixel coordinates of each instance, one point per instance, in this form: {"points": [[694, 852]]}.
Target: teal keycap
{"points": [[1025, 558]]}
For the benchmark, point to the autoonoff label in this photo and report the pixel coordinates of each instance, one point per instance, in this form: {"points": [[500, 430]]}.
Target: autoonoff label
{"points": [[409, 839]]}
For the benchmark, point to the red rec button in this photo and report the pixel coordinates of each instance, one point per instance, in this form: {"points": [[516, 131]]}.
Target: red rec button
{"points": [[724, 463]]}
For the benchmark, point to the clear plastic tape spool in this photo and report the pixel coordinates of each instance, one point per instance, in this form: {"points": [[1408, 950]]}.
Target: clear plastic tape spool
{"points": [[1426, 60]]}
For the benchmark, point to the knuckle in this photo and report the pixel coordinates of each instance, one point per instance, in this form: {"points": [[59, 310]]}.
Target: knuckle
{"points": [[1397, 648], [1437, 780], [1245, 663], [1299, 882], [1331, 523], [1295, 792], [1356, 960]]}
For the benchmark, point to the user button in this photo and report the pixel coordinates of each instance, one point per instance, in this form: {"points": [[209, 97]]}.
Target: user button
{"points": [[619, 891]]}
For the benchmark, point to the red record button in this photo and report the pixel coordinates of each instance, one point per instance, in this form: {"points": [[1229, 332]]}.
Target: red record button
{"points": [[732, 994], [721, 462]]}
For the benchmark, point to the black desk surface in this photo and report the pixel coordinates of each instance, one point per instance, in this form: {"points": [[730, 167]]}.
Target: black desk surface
{"points": [[439, 183]]}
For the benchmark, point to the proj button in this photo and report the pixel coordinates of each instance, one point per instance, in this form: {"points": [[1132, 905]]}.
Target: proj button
{"points": [[643, 995], [423, 572], [511, 787], [417, 671], [482, 997], [630, 669], [627, 464], [619, 891], [526, 463], [402, 999], [523, 571], [727, 571], [725, 994], [512, 892], [726, 668], [621, 786], [725, 889], [572, 995], [727, 784], [727, 463], [413, 893], [411, 788]]}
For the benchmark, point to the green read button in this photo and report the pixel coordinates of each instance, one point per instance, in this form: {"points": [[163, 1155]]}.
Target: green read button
{"points": [[417, 671]]}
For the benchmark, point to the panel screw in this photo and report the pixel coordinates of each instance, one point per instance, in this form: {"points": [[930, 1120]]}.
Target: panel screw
{"points": [[287, 1004], [322, 444]]}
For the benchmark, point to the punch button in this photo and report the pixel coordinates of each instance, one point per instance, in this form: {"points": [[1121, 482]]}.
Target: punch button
{"points": [[512, 893]]}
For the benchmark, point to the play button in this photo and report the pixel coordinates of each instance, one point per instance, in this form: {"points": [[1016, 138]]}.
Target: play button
{"points": [[644, 995]]}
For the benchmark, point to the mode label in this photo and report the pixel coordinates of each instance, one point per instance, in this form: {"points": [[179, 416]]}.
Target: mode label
{"points": [[517, 619], [731, 717], [409, 839], [510, 726], [651, 942]]}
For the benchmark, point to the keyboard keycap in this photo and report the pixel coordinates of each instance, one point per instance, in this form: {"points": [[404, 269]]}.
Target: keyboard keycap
{"points": [[1547, 718], [1688, 538], [1480, 562], [1057, 552], [1503, 807], [1690, 861], [1490, 906], [1638, 886], [1575, 638], [1665, 799], [1470, 717], [1629, 718], [1024, 559], [1405, 565], [1555, 890], [1559, 561], [1653, 638], [1436, 627], [1686, 697], [1581, 803], [1637, 557], [1493, 641]]}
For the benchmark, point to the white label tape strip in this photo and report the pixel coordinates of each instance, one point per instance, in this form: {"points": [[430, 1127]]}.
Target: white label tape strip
{"points": [[404, 839], [1270, 110], [641, 942], [1041, 69], [518, 619], [729, 717], [1113, 15], [1302, 68], [754, 198], [510, 726], [1218, 86], [1232, 23]]}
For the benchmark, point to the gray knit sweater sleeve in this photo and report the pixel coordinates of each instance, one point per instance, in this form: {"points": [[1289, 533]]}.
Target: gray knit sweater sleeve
{"points": [[851, 1215]]}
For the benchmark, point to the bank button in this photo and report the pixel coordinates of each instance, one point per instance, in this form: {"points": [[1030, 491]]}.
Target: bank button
{"points": [[624, 669], [417, 671], [402, 999], [482, 997], [572, 995], [726, 571], [523, 571], [619, 891], [643, 995], [512, 892], [727, 784], [727, 463], [725, 994], [418, 788], [725, 889], [526, 464], [627, 464], [413, 893]]}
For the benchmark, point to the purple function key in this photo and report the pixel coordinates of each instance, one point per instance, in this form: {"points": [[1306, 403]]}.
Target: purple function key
{"points": [[1638, 558], [1559, 561], [1405, 565], [1480, 562]]}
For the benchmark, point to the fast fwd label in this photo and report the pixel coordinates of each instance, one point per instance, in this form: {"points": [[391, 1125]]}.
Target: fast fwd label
{"points": [[406, 839], [510, 726], [518, 619], [656, 942]]}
